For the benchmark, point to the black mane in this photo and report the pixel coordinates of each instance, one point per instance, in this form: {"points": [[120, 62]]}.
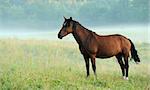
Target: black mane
{"points": [[82, 26]]}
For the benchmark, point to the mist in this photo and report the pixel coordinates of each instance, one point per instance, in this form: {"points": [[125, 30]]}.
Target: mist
{"points": [[42, 19]]}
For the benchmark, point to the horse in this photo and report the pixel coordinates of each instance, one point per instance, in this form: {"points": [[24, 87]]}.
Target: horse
{"points": [[92, 46]]}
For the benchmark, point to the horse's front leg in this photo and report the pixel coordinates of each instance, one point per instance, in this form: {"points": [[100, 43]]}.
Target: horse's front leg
{"points": [[93, 61], [87, 64]]}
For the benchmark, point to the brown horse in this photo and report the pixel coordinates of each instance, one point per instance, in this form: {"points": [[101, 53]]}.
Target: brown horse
{"points": [[94, 46]]}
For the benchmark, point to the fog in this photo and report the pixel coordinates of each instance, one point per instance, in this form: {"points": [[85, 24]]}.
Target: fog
{"points": [[138, 33], [42, 19]]}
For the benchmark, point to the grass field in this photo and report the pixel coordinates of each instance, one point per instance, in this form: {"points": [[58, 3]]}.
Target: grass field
{"points": [[48, 65]]}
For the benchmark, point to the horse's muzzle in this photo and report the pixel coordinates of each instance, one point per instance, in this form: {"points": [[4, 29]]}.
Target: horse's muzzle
{"points": [[59, 36]]}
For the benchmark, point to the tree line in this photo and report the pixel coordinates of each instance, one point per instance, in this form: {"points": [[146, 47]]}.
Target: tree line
{"points": [[49, 13]]}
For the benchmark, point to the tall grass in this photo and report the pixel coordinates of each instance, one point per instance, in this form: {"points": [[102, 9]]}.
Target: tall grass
{"points": [[36, 64]]}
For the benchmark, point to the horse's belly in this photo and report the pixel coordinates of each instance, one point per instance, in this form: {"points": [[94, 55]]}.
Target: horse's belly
{"points": [[104, 56], [107, 53], [108, 49]]}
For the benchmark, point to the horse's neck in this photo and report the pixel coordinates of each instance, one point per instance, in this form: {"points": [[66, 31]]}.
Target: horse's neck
{"points": [[80, 34]]}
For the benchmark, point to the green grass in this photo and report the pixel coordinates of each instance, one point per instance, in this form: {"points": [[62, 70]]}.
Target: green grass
{"points": [[45, 65]]}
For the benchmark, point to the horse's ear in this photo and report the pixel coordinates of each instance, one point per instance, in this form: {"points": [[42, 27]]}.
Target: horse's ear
{"points": [[70, 18], [65, 18]]}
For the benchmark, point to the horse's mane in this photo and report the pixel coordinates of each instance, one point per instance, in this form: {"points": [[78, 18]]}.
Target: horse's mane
{"points": [[83, 27], [90, 31]]}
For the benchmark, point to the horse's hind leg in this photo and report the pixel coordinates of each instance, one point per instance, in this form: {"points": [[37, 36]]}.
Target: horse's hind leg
{"points": [[126, 65], [119, 58]]}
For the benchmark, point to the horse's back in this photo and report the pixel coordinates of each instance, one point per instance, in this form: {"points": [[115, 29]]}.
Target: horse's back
{"points": [[110, 45]]}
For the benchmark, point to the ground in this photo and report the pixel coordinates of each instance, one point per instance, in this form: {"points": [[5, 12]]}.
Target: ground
{"points": [[45, 64]]}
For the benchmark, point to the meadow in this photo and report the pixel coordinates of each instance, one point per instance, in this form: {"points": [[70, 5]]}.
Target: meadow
{"points": [[50, 65]]}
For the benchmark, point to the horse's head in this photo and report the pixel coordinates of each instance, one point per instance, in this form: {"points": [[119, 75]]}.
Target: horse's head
{"points": [[66, 28]]}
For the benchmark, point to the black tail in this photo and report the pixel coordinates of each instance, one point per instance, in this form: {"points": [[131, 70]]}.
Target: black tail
{"points": [[134, 54]]}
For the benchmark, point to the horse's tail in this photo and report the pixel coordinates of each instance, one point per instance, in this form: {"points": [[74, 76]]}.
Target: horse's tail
{"points": [[134, 54]]}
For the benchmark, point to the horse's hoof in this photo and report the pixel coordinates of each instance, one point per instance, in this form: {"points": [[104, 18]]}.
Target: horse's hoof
{"points": [[137, 62], [87, 77], [125, 78]]}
